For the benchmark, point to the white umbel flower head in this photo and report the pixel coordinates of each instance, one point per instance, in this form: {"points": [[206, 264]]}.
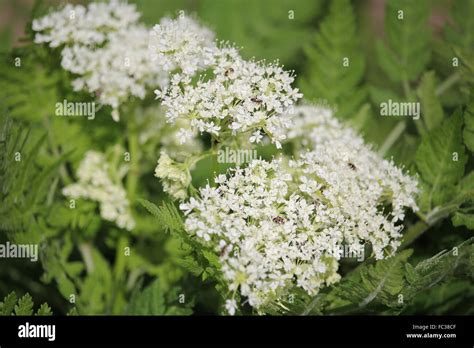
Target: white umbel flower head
{"points": [[181, 44], [353, 173], [94, 183], [241, 97], [88, 26], [278, 225]]}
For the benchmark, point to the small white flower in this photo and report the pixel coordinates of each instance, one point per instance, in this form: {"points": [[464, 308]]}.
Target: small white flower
{"points": [[231, 306], [256, 137]]}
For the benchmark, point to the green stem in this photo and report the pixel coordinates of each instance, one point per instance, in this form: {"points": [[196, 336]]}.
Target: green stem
{"points": [[392, 138], [215, 165], [86, 252], [446, 84], [134, 171], [414, 232]]}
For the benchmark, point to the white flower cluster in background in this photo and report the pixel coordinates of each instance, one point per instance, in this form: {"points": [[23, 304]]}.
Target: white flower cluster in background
{"points": [[88, 26], [105, 46], [241, 97], [181, 44], [277, 225], [94, 183]]}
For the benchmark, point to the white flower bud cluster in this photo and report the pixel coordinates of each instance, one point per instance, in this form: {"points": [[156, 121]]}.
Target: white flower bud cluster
{"points": [[94, 183], [244, 97], [278, 225], [175, 177]]}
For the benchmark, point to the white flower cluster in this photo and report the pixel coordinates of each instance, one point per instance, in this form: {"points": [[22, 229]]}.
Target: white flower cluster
{"points": [[105, 46], [240, 97], [277, 225], [88, 26], [266, 235], [94, 183], [181, 44], [352, 177]]}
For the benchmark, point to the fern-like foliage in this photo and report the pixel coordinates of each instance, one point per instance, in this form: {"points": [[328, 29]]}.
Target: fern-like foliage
{"points": [[28, 89], [167, 214], [406, 51], [12, 305], [393, 285], [335, 63], [155, 300], [431, 109], [440, 160], [22, 180]]}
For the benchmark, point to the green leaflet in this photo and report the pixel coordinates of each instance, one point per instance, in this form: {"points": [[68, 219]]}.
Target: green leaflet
{"points": [[11, 305], [28, 88], [461, 219], [167, 214], [372, 285], [461, 34], [468, 132], [431, 110], [407, 49], [391, 285], [439, 268], [336, 65], [155, 300], [465, 198], [440, 160]]}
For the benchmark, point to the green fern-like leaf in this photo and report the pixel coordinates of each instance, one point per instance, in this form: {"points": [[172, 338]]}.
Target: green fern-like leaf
{"points": [[375, 285], [406, 51], [440, 171], [442, 268], [468, 132], [167, 214], [432, 112], [8, 304], [461, 33], [335, 64], [154, 300], [11, 305]]}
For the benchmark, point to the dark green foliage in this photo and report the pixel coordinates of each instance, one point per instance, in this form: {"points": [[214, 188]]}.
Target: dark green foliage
{"points": [[11, 305], [155, 300]]}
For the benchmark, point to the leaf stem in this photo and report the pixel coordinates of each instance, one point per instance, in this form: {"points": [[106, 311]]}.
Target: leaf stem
{"points": [[392, 138], [134, 171], [446, 84]]}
